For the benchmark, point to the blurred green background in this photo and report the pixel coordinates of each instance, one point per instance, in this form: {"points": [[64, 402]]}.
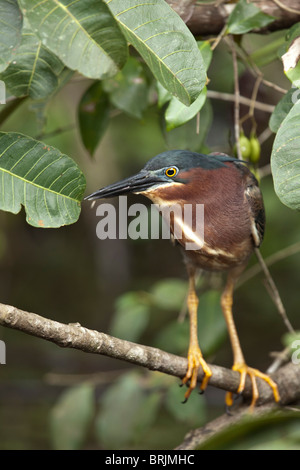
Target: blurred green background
{"points": [[62, 398]]}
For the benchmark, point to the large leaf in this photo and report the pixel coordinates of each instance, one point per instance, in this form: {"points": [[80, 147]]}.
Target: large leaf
{"points": [[71, 417], [47, 183], [177, 113], [93, 114], [285, 162], [83, 34], [34, 70], [10, 30], [245, 17], [165, 43]]}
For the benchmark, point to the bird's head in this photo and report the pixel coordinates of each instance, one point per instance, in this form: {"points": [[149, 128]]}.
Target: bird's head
{"points": [[165, 177]]}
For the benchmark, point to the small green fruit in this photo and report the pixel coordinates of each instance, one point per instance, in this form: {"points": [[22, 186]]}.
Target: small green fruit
{"points": [[245, 147], [255, 150]]}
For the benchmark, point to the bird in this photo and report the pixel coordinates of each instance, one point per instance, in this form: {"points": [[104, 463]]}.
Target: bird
{"points": [[234, 224]]}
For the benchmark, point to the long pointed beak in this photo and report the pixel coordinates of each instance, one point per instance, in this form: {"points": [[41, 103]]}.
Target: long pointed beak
{"points": [[134, 184]]}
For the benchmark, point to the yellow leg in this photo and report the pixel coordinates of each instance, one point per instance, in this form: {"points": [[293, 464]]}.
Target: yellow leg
{"points": [[195, 358], [239, 363]]}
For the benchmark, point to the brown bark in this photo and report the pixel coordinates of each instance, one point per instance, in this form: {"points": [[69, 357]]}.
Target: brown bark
{"points": [[205, 19]]}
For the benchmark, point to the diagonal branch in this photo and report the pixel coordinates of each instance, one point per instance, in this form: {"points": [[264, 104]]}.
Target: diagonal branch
{"points": [[78, 337]]}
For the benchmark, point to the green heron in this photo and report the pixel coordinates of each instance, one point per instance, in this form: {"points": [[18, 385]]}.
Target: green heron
{"points": [[234, 221]]}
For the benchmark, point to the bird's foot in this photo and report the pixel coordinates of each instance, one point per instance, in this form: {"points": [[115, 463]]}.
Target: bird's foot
{"points": [[244, 370], [195, 361]]}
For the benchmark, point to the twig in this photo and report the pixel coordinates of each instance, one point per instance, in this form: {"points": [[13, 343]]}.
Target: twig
{"points": [[198, 123], [218, 95], [250, 114], [281, 357], [265, 135], [57, 131], [274, 86], [274, 292], [237, 98], [91, 341], [219, 37], [278, 256], [255, 70]]}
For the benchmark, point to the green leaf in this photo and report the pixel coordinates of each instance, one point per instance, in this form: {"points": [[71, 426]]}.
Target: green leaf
{"points": [[128, 90], [93, 115], [275, 430], [131, 317], [47, 183], [10, 31], [165, 43], [124, 406], [264, 55], [206, 52], [177, 113], [245, 17], [34, 70], [282, 108], [83, 34], [163, 95], [71, 417], [40, 107], [285, 162], [169, 294], [174, 338]]}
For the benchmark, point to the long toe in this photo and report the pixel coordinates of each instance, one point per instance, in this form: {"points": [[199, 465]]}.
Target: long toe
{"points": [[245, 370], [195, 361]]}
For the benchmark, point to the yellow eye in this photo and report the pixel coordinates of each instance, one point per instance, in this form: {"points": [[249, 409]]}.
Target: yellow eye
{"points": [[172, 171]]}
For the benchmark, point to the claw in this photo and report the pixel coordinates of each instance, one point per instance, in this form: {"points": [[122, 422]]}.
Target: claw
{"points": [[245, 370], [227, 410], [195, 361]]}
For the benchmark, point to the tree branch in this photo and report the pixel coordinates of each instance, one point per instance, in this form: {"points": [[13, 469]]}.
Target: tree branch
{"points": [[219, 95], [91, 341], [224, 424], [209, 19]]}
